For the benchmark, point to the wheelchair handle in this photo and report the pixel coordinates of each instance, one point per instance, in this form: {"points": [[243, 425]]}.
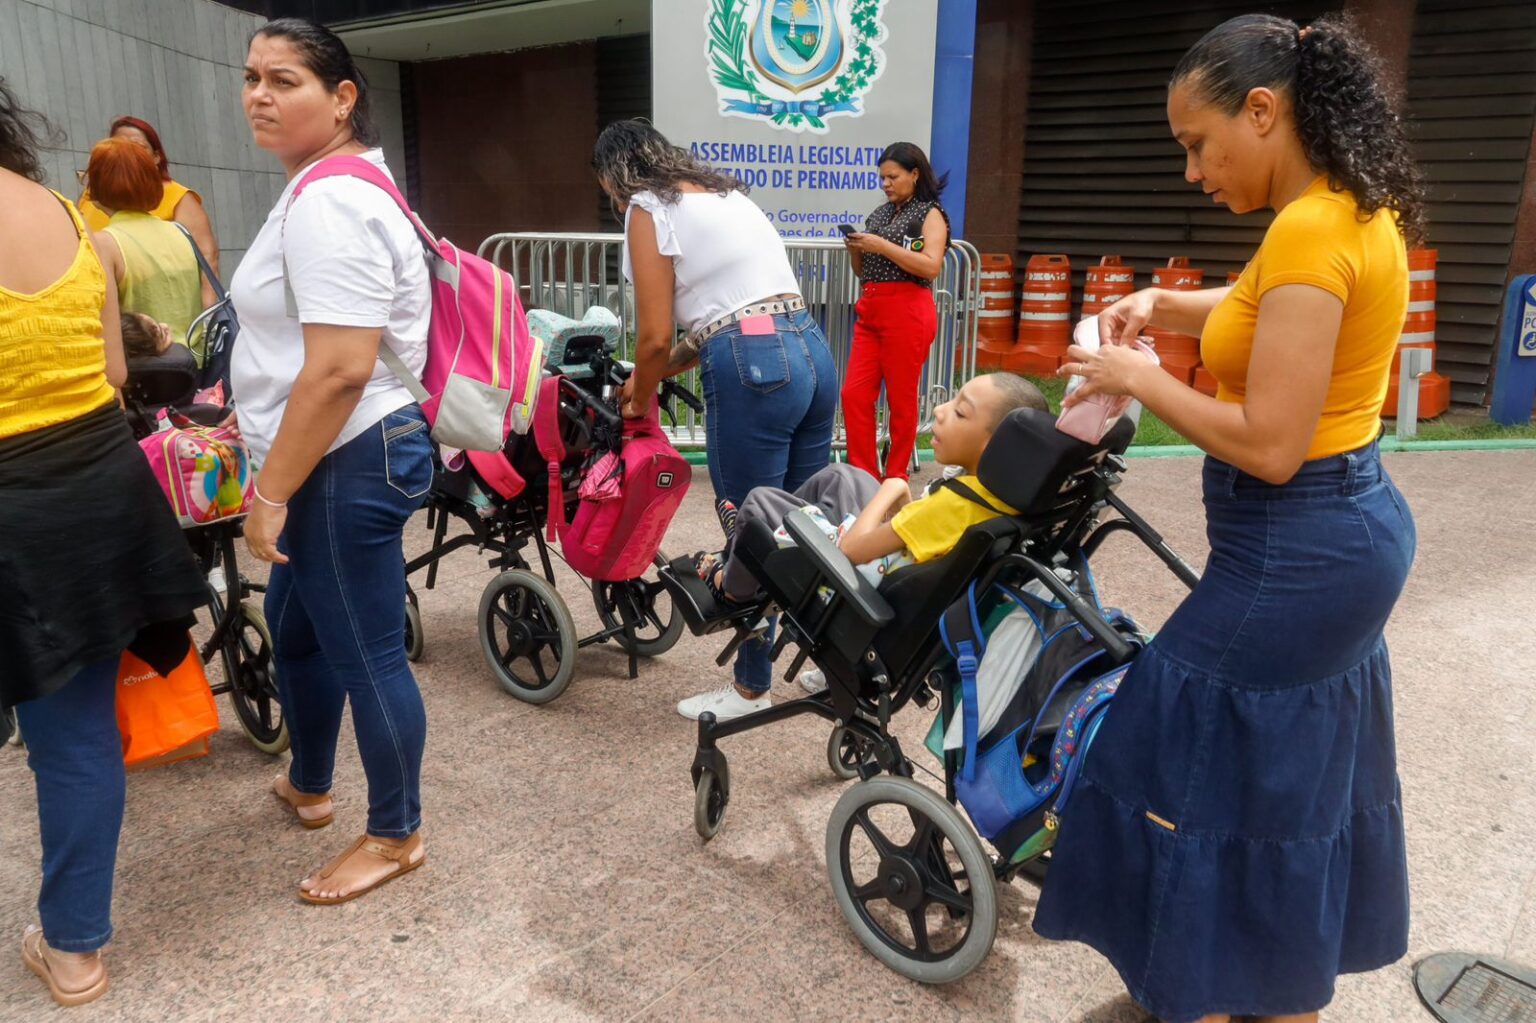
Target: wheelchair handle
{"points": [[671, 389], [599, 408]]}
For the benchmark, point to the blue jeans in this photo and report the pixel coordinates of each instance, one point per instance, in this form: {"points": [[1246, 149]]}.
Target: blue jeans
{"points": [[337, 612], [770, 400], [76, 753]]}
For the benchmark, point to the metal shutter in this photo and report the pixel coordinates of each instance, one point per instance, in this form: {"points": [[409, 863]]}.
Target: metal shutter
{"points": [[1102, 174], [1471, 98], [623, 92]]}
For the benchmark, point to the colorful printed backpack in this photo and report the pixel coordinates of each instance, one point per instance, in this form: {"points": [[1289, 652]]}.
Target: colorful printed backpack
{"points": [[483, 366], [204, 471]]}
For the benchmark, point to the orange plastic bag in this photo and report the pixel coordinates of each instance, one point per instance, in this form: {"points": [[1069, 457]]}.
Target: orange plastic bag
{"points": [[164, 718]]}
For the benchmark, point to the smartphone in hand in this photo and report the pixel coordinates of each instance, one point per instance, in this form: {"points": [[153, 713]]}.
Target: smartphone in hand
{"points": [[847, 229]]}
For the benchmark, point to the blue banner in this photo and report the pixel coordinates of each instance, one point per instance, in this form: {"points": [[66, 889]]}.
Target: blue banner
{"points": [[773, 108]]}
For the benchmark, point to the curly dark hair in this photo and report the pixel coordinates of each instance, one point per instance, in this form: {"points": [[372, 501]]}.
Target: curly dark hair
{"points": [[22, 133], [1348, 123], [632, 156]]}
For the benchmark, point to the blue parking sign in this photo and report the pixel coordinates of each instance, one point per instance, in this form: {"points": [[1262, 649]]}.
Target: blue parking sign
{"points": [[1514, 382]]}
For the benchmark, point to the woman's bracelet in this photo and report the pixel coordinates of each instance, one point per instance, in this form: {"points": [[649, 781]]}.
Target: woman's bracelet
{"points": [[256, 491]]}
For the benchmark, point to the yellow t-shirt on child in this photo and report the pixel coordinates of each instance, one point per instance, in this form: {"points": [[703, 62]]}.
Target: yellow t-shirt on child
{"points": [[1320, 240], [931, 526]]}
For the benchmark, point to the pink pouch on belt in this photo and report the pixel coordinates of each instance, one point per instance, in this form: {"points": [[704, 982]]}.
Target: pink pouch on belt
{"points": [[1089, 420]]}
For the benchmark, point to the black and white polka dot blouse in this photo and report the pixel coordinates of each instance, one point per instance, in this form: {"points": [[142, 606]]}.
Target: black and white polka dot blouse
{"points": [[903, 225]]}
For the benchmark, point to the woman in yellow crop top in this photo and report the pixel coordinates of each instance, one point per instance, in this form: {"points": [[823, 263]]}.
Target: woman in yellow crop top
{"points": [[1237, 841], [89, 552]]}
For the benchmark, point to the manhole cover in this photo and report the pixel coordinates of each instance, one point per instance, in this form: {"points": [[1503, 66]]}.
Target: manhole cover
{"points": [[1462, 988]]}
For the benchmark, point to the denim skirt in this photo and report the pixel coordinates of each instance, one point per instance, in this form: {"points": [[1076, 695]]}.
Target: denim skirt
{"points": [[1236, 841]]}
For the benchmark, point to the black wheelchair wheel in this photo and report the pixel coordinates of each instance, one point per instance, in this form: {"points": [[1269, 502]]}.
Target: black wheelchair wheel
{"points": [[646, 603], [710, 796], [527, 636], [912, 879], [415, 637], [844, 753], [252, 676]]}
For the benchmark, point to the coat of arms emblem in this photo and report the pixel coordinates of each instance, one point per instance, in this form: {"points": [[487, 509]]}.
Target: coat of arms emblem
{"points": [[794, 63]]}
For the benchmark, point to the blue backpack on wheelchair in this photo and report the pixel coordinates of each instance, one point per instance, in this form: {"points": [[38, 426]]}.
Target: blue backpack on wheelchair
{"points": [[1014, 781]]}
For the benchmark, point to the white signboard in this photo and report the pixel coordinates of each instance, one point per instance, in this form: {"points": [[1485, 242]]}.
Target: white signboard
{"points": [[797, 98]]}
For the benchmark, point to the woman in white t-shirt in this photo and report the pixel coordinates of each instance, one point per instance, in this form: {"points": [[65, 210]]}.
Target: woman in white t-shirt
{"points": [[704, 257], [343, 448]]}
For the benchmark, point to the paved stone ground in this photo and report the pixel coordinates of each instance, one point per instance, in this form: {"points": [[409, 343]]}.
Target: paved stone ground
{"points": [[565, 881]]}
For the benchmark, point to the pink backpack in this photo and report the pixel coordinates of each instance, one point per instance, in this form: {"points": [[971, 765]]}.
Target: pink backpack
{"points": [[482, 376], [615, 537], [204, 471]]}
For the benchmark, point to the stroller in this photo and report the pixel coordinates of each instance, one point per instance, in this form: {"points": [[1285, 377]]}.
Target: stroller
{"points": [[240, 635], [503, 501], [908, 870]]}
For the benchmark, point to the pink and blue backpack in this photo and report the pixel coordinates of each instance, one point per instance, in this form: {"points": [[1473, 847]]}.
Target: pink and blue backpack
{"points": [[483, 366]]}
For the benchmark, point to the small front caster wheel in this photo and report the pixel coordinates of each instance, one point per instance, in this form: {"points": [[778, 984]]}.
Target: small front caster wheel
{"points": [[709, 799]]}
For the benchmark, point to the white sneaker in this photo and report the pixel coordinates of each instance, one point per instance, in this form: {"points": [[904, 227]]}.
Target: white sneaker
{"points": [[216, 578], [725, 703], [813, 681]]}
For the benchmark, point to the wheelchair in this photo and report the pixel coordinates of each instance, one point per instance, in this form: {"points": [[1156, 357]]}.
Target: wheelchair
{"points": [[924, 902], [502, 502], [240, 636]]}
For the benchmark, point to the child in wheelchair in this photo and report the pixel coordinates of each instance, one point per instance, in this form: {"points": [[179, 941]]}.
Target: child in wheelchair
{"points": [[880, 527], [923, 898]]}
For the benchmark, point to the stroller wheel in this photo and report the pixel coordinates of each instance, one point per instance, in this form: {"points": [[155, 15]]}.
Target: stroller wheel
{"points": [[527, 636], [415, 638], [252, 677], [710, 796], [912, 879], [646, 602], [844, 752]]}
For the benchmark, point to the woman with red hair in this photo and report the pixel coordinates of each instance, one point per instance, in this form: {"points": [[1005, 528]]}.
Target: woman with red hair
{"points": [[177, 202], [154, 265]]}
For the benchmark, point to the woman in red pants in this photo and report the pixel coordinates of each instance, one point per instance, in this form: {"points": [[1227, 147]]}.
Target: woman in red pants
{"points": [[897, 256]]}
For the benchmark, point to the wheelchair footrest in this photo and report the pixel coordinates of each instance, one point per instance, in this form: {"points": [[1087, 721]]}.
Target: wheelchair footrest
{"points": [[703, 613]]}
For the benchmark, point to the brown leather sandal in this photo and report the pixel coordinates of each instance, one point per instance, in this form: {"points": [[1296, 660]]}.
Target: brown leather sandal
{"points": [[404, 857], [283, 789], [34, 954]]}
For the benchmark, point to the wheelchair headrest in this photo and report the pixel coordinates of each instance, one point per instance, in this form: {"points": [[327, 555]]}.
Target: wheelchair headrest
{"points": [[568, 341], [1028, 462], [156, 381]]}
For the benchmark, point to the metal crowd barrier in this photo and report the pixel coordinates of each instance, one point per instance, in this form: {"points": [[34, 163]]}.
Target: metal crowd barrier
{"points": [[568, 273]]}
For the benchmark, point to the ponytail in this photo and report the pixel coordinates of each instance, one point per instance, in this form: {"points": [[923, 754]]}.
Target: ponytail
{"points": [[1348, 123]]}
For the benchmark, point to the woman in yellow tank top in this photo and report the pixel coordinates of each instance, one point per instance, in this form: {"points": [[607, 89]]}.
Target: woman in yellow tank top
{"points": [[90, 553], [178, 203], [153, 261], [1237, 841]]}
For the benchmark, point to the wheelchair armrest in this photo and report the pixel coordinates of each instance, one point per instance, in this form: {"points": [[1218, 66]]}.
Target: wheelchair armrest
{"points": [[837, 571]]}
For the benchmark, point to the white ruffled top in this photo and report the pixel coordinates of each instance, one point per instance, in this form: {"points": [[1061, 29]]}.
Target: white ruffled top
{"points": [[725, 253]]}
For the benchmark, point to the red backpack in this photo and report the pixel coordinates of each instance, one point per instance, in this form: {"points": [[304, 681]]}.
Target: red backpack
{"points": [[618, 528], [623, 516]]}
